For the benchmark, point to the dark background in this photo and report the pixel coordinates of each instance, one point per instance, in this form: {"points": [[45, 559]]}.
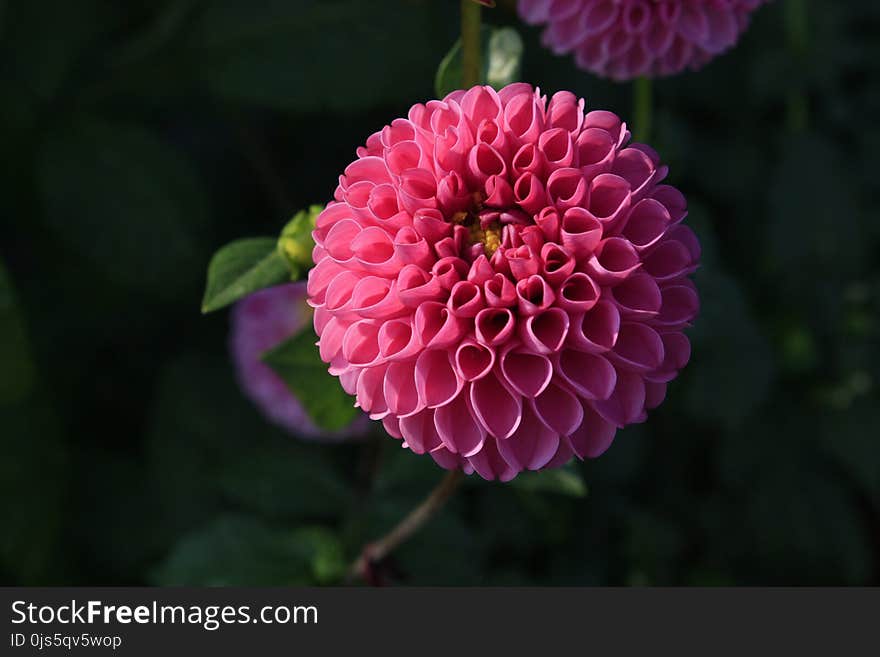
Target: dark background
{"points": [[136, 138]]}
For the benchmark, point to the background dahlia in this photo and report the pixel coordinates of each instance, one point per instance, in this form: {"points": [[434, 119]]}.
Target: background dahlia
{"points": [[624, 39], [502, 280], [261, 321]]}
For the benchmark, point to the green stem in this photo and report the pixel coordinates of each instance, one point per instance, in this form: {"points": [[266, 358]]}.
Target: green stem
{"points": [[470, 43], [797, 35], [378, 550], [642, 107], [796, 25]]}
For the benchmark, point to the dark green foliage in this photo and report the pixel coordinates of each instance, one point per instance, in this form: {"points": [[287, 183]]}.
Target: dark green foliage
{"points": [[139, 138], [297, 362]]}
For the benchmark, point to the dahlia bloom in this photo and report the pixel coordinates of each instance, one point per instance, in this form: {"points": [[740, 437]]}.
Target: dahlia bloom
{"points": [[264, 320], [503, 281], [624, 39]]}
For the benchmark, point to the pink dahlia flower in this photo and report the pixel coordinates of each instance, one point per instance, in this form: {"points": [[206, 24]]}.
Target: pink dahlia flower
{"points": [[503, 281], [624, 39], [264, 320]]}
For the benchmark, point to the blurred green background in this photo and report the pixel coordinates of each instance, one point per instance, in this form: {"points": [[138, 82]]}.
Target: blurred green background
{"points": [[138, 137]]}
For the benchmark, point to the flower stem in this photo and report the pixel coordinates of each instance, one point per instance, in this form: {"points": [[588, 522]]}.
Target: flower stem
{"points": [[642, 108], [471, 59], [797, 35], [378, 550]]}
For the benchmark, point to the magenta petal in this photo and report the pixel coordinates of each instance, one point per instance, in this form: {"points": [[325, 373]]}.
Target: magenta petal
{"points": [[567, 188], [545, 332], [534, 295], [494, 325], [531, 446], [446, 459], [500, 291], [392, 426], [558, 264], [581, 232], [436, 380], [558, 149], [613, 261], [593, 437], [376, 298], [412, 248], [436, 326], [558, 409], [400, 390], [669, 260], [330, 344], [473, 360], [626, 403], [578, 293], [360, 344], [646, 224], [497, 409], [374, 251], [680, 305], [370, 391], [397, 341], [489, 463], [655, 393], [591, 376], [596, 331], [466, 299], [676, 354], [460, 432], [527, 372], [419, 432], [638, 297], [562, 456], [639, 348]]}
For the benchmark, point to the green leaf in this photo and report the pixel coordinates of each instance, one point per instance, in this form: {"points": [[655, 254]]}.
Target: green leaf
{"points": [[241, 551], [17, 374], [298, 363], [502, 50], [242, 267], [121, 198], [562, 481], [296, 242]]}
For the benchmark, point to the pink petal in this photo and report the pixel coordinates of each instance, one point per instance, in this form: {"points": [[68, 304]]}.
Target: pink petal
{"points": [[399, 389], [531, 446], [593, 437], [436, 379], [419, 432], [457, 427], [545, 332], [497, 409], [558, 409], [473, 360], [590, 375], [527, 372]]}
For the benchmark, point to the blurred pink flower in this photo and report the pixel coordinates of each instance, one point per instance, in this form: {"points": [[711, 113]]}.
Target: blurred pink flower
{"points": [[264, 320], [624, 39], [503, 281]]}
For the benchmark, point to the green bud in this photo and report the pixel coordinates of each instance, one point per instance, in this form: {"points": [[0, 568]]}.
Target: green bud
{"points": [[296, 243]]}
